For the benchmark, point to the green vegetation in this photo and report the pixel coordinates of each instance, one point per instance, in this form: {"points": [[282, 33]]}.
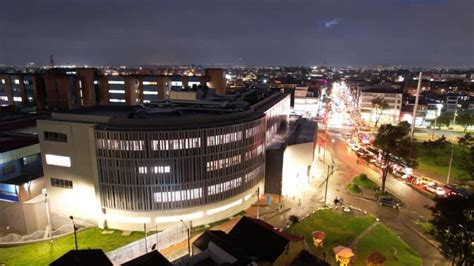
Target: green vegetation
{"points": [[361, 181], [383, 240], [354, 188], [340, 229], [44, 253], [426, 227], [436, 161]]}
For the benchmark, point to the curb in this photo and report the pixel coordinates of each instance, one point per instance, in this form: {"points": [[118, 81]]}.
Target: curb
{"points": [[278, 213], [420, 234]]}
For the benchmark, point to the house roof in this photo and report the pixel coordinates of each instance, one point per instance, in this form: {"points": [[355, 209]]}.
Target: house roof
{"points": [[260, 240], [153, 258], [224, 241], [85, 257]]}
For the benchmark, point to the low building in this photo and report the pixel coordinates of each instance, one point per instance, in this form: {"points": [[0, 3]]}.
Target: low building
{"points": [[249, 241], [390, 115]]}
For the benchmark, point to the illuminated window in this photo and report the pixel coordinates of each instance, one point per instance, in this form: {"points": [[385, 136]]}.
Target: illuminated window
{"points": [[150, 92], [116, 82], [55, 136], [142, 170], [176, 83], [124, 145], [222, 187], [251, 132], [117, 100], [224, 138], [223, 163], [58, 160], [17, 99], [149, 83], [251, 175], [57, 182], [179, 195], [161, 169], [176, 144], [117, 91]]}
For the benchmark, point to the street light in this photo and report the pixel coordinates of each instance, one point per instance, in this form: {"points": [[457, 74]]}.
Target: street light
{"points": [[75, 229], [189, 236]]}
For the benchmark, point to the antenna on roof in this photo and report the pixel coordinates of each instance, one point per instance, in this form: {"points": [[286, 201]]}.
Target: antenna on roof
{"points": [[51, 60]]}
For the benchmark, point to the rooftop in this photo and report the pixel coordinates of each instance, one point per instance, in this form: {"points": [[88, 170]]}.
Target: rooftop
{"points": [[13, 141], [174, 114]]}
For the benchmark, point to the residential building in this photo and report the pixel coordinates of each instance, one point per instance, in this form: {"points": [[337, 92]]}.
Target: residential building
{"points": [[390, 115]]}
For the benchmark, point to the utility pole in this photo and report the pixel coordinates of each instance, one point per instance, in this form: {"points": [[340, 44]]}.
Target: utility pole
{"points": [[46, 205], [329, 173], [146, 245], [450, 163], [258, 203], [416, 106]]}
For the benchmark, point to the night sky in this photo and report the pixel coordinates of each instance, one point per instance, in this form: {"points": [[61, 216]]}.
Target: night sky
{"points": [[243, 32]]}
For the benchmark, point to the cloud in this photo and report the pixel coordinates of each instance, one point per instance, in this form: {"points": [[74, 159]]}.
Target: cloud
{"points": [[331, 23]]}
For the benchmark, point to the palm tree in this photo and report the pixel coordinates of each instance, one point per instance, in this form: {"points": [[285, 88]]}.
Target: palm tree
{"points": [[379, 104]]}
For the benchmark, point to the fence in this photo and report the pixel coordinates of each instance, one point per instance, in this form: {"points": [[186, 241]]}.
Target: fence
{"points": [[163, 239]]}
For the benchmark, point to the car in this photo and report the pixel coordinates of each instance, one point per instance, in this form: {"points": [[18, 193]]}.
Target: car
{"points": [[355, 147], [388, 201], [440, 191], [431, 189], [455, 191], [424, 181]]}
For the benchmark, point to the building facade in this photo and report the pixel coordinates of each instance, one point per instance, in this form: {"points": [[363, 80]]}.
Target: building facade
{"points": [[71, 88], [389, 115], [122, 167]]}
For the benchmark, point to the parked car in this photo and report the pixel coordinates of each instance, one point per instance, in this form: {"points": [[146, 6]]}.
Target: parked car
{"points": [[388, 201], [455, 191], [424, 181]]}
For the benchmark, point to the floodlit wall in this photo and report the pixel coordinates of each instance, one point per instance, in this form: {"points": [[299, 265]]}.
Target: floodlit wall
{"points": [[68, 171]]}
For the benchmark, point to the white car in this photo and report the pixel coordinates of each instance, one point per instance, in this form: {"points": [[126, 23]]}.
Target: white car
{"points": [[440, 191]]}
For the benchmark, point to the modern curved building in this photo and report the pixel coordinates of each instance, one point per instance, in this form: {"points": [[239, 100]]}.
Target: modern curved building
{"points": [[123, 166]]}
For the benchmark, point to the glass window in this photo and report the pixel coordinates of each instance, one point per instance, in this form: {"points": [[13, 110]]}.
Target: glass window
{"points": [[63, 183], [55, 136]]}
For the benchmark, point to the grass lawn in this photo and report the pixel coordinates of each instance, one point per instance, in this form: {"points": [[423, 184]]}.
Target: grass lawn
{"points": [[425, 226], [361, 181], [340, 229], [364, 182], [44, 253], [383, 240], [437, 161]]}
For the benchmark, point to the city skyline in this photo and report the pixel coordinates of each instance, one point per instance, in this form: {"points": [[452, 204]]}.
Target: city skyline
{"points": [[408, 33]]}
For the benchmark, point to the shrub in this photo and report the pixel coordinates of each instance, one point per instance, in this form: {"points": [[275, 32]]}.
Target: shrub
{"points": [[293, 219], [363, 177]]}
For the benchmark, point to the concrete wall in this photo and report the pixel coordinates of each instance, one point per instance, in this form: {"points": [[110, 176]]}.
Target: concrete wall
{"points": [[23, 218], [183, 95], [217, 80], [274, 170], [80, 201], [133, 221]]}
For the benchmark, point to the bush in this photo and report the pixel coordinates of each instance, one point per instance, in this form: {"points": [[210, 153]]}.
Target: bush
{"points": [[293, 219], [363, 177], [354, 188]]}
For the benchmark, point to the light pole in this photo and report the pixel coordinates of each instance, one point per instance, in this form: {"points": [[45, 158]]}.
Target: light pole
{"points": [[189, 236], [146, 245], [329, 173], [74, 227], [46, 205], [450, 163]]}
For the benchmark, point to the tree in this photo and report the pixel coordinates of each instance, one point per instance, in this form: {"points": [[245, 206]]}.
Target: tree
{"points": [[465, 120], [394, 141], [453, 228], [378, 105], [466, 141], [444, 120]]}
